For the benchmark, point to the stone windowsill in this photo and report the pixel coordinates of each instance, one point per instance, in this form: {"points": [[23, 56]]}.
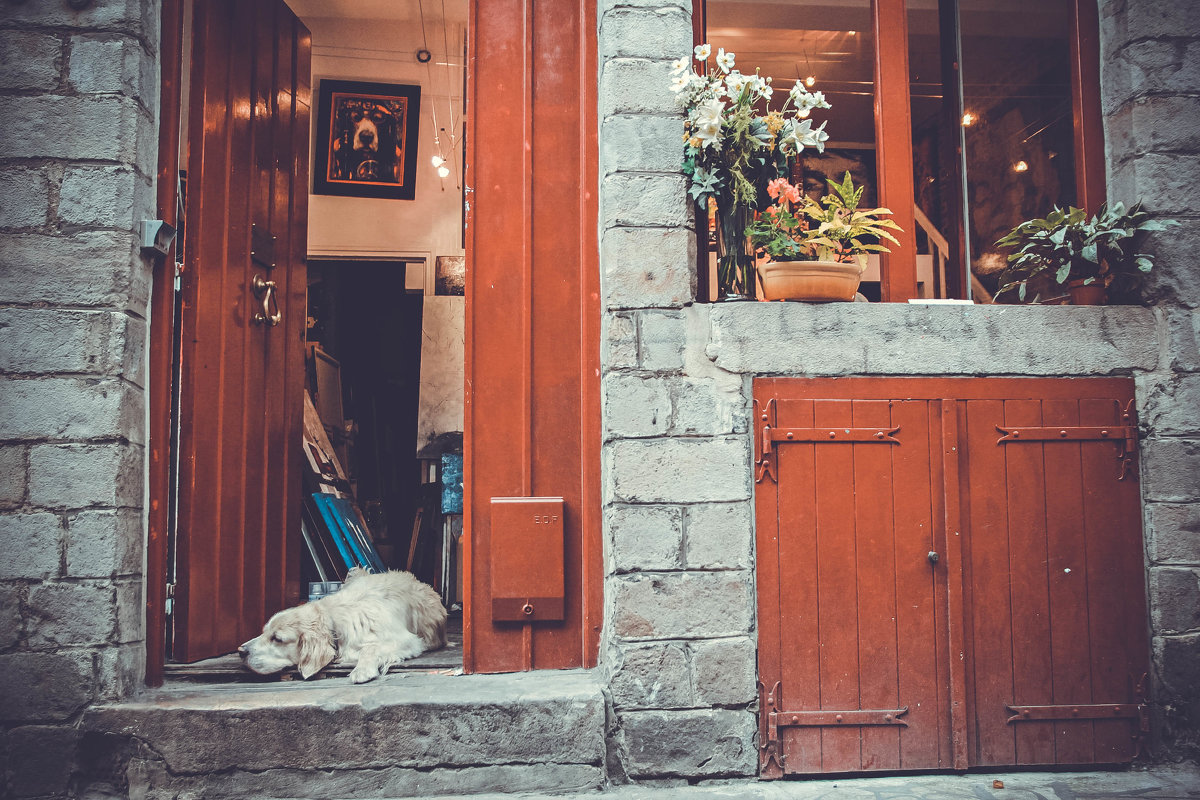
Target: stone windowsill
{"points": [[831, 339]]}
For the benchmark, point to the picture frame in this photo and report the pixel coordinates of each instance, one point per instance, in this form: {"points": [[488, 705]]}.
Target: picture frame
{"points": [[367, 139]]}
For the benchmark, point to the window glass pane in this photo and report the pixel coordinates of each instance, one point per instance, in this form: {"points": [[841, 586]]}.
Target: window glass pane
{"points": [[1017, 119], [936, 136], [831, 44]]}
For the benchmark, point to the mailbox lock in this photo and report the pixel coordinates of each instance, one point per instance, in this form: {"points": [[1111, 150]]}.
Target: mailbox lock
{"points": [[527, 609]]}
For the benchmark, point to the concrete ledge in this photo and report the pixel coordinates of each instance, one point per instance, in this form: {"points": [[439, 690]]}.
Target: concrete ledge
{"points": [[418, 731], [903, 339]]}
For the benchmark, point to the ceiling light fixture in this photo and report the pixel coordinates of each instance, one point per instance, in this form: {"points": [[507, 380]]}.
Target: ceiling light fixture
{"points": [[1020, 166]]}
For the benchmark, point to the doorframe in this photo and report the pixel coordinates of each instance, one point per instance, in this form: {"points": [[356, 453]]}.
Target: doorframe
{"points": [[587, 436]]}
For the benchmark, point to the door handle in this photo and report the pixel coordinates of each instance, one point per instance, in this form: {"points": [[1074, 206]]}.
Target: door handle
{"points": [[933, 557], [265, 290]]}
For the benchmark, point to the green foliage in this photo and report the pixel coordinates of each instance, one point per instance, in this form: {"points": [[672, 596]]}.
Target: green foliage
{"points": [[834, 229], [1071, 246]]}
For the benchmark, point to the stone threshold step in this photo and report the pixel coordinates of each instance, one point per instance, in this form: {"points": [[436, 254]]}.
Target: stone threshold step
{"points": [[404, 734]]}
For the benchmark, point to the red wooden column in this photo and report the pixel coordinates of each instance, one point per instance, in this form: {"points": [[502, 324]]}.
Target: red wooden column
{"points": [[1090, 187], [532, 347], [893, 146]]}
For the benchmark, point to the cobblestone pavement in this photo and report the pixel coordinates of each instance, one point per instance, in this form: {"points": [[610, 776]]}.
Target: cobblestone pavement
{"points": [[1180, 782]]}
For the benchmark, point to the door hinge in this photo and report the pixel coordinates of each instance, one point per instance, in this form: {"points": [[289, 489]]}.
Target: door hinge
{"points": [[768, 435], [1124, 434], [1137, 710], [771, 718]]}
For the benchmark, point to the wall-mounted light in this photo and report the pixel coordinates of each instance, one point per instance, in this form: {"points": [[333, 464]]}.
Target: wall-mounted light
{"points": [[1020, 166]]}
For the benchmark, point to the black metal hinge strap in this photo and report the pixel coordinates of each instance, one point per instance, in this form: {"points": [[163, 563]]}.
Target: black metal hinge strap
{"points": [[1124, 434], [835, 719], [1077, 711], [768, 436]]}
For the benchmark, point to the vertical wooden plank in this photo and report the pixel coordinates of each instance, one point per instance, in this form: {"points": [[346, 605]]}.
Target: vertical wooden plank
{"points": [[1115, 581], [798, 626], [920, 629], [199, 471], [1090, 189], [162, 327], [1029, 586], [1069, 635], [532, 330], [893, 146], [768, 528], [989, 577], [838, 602], [957, 615], [284, 557], [877, 581]]}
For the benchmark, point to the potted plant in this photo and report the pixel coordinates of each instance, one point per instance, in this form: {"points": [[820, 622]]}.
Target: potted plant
{"points": [[734, 144], [818, 251], [1093, 256]]}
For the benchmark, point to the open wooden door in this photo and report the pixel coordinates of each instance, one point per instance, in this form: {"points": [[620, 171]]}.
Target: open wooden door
{"points": [[533, 328], [242, 322]]}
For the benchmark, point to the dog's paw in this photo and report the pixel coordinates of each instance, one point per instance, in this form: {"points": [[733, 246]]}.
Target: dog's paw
{"points": [[363, 673]]}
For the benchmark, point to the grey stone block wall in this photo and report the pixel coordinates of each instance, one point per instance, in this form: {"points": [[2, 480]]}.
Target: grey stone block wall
{"points": [[680, 637], [78, 96], [1151, 99]]}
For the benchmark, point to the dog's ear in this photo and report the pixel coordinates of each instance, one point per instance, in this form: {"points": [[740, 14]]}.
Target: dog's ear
{"points": [[316, 650]]}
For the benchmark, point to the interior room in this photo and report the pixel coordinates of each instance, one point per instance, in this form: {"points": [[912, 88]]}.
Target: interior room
{"points": [[384, 334]]}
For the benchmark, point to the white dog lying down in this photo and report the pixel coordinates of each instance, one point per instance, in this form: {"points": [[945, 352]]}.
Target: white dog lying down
{"points": [[375, 621]]}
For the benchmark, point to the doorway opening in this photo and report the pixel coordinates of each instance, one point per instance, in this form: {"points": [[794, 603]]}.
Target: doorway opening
{"points": [[335, 370]]}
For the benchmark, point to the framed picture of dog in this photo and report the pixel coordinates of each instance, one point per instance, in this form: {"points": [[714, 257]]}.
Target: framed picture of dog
{"points": [[367, 139]]}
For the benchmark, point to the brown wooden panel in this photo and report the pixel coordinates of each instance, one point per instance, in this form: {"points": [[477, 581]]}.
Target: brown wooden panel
{"points": [[1116, 610], [1070, 644], [877, 584], [920, 639], [837, 598], [532, 419], [794, 578], [238, 487], [988, 572], [1029, 590]]}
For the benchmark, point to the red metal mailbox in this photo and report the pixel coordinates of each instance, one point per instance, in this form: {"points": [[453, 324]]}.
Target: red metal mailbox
{"points": [[527, 559]]}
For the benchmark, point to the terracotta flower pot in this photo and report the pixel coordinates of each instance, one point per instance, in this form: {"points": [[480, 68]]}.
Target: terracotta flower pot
{"points": [[813, 281], [1091, 294]]}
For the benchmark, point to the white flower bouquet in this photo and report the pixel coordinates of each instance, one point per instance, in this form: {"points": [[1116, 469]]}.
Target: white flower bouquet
{"points": [[735, 144]]}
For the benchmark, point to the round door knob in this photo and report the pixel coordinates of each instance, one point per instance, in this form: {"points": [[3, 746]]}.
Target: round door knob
{"points": [[933, 557]]}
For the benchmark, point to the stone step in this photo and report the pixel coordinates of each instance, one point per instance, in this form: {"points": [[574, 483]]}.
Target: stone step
{"points": [[403, 735]]}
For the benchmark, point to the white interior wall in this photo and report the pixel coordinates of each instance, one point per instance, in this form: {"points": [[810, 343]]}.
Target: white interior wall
{"points": [[428, 226]]}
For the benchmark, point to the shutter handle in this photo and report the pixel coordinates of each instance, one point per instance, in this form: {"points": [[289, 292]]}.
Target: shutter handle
{"points": [[264, 290], [933, 557]]}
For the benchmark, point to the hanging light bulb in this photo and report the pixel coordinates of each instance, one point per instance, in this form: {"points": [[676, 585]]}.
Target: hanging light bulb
{"points": [[968, 119], [1020, 166], [438, 161], [443, 171], [810, 80]]}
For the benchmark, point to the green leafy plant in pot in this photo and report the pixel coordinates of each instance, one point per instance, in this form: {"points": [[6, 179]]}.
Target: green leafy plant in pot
{"points": [[734, 144], [1091, 255], [818, 250]]}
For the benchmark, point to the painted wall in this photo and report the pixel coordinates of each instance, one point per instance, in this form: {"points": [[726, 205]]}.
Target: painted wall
{"points": [[384, 51], [429, 225]]}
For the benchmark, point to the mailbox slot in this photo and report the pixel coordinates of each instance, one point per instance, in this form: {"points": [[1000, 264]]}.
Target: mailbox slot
{"points": [[527, 559]]}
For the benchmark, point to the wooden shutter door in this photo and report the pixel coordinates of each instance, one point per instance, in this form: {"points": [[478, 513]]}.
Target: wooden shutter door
{"points": [[853, 649], [532, 344], [1053, 574], [241, 379], [971, 553]]}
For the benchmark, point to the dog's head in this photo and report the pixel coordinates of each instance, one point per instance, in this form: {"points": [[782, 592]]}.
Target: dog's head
{"points": [[372, 129], [298, 637]]}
